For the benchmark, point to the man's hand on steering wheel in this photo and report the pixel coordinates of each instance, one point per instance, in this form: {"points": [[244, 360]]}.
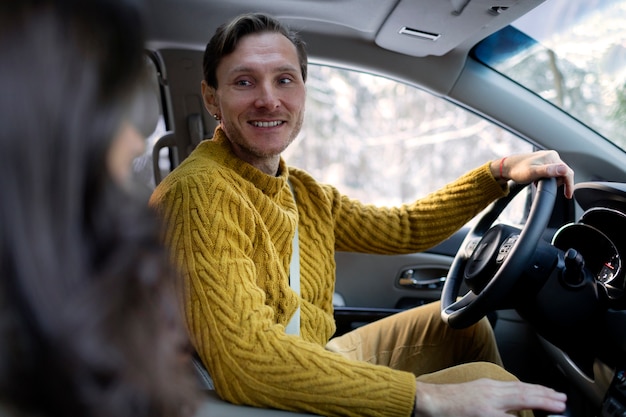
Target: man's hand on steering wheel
{"points": [[530, 167]]}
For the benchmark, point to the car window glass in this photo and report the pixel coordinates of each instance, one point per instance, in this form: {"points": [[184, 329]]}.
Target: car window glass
{"points": [[387, 143], [571, 54]]}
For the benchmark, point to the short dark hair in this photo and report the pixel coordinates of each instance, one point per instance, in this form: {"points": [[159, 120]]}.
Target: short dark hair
{"points": [[228, 35]]}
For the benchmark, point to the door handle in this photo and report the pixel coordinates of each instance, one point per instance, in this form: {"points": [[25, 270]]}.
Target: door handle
{"points": [[408, 279]]}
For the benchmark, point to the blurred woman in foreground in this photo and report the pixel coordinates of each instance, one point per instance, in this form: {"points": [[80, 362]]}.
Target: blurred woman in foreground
{"points": [[89, 325]]}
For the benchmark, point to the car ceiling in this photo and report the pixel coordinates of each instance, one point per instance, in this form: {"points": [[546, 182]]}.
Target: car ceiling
{"points": [[334, 29]]}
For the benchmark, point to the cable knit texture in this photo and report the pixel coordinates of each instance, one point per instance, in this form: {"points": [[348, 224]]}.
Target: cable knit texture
{"points": [[230, 228]]}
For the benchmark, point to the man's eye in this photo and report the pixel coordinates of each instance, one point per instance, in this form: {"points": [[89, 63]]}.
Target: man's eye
{"points": [[243, 83], [285, 81]]}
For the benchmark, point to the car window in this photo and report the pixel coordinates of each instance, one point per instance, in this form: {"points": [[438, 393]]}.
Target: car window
{"points": [[387, 143]]}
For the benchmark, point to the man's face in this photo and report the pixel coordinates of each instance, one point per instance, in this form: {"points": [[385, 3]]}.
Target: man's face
{"points": [[260, 96]]}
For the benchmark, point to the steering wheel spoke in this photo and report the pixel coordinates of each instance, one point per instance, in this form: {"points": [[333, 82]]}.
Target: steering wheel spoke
{"points": [[469, 245], [461, 303]]}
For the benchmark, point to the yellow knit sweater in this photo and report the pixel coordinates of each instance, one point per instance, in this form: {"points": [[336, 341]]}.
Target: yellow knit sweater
{"points": [[230, 228]]}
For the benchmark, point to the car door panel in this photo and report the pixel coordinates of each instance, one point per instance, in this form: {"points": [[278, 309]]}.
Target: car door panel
{"points": [[370, 287]]}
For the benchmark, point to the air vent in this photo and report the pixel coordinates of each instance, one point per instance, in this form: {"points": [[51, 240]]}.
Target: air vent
{"points": [[419, 34]]}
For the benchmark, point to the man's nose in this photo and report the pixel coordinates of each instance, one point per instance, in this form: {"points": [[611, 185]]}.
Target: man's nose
{"points": [[268, 96]]}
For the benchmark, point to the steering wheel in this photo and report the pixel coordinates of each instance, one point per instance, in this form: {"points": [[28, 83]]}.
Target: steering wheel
{"points": [[494, 256]]}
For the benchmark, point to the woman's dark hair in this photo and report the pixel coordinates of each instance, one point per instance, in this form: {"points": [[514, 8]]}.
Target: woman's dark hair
{"points": [[228, 35], [89, 324]]}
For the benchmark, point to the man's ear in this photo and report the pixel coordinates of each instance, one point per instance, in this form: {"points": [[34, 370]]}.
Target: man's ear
{"points": [[210, 98]]}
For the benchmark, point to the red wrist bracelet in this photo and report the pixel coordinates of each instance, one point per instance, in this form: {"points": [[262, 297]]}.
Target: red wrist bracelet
{"points": [[501, 164]]}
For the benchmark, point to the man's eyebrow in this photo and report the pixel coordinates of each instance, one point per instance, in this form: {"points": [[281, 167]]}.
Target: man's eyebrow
{"points": [[287, 68], [239, 69], [247, 69]]}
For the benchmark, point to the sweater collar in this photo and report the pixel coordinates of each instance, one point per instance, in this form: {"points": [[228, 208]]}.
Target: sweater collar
{"points": [[223, 153]]}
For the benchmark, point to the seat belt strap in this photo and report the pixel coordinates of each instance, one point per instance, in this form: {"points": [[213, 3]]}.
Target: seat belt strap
{"points": [[293, 327]]}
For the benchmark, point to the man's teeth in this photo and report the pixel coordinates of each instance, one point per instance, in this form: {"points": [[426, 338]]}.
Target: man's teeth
{"points": [[267, 124]]}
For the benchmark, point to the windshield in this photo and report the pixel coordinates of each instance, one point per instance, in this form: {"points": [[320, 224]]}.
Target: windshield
{"points": [[572, 54]]}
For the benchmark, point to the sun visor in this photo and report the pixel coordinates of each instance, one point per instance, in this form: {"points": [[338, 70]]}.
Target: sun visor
{"points": [[435, 27]]}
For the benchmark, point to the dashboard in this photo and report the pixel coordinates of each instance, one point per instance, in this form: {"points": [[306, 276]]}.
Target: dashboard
{"points": [[599, 236]]}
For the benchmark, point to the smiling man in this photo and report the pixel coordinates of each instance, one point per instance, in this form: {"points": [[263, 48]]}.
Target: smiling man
{"points": [[240, 223]]}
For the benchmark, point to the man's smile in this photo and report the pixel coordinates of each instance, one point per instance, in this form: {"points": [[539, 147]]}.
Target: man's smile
{"points": [[267, 124]]}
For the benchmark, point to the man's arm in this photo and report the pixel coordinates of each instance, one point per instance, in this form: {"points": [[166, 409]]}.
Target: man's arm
{"points": [[419, 225]]}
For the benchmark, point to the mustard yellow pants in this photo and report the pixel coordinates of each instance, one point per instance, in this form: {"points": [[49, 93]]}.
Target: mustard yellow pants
{"points": [[418, 341]]}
